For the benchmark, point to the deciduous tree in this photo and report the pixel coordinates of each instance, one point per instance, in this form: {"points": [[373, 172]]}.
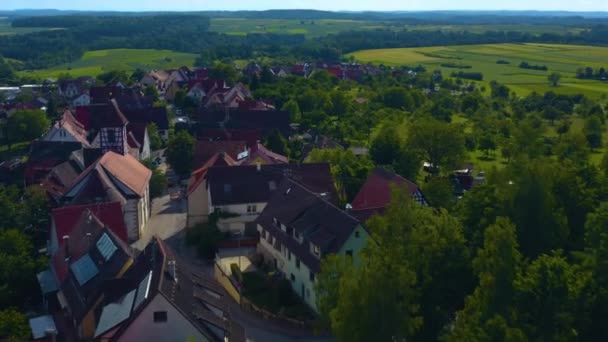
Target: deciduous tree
{"points": [[180, 153]]}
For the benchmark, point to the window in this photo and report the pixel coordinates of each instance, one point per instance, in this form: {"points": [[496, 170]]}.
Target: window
{"points": [[283, 227], [349, 253], [316, 250], [311, 276], [111, 136], [160, 316], [297, 263], [356, 233], [252, 209], [276, 222], [293, 278]]}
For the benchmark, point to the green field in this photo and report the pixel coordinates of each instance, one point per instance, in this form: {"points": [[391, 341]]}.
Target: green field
{"points": [[94, 63], [7, 29], [309, 28], [564, 59]]}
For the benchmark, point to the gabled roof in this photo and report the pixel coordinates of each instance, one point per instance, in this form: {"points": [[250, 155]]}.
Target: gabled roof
{"points": [[147, 115], [138, 130], [375, 194], [109, 214], [106, 115], [310, 215], [69, 123], [45, 155], [104, 94], [99, 256], [60, 178], [206, 149], [247, 184], [110, 176], [198, 175], [158, 272], [250, 136], [265, 121], [260, 153]]}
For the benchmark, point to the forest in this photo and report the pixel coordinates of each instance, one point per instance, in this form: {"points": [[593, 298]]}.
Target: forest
{"points": [[189, 33]]}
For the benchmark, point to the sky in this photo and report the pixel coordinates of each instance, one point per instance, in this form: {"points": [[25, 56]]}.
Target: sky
{"points": [[334, 5]]}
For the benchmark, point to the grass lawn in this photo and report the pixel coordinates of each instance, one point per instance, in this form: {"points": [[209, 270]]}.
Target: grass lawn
{"points": [[564, 59], [94, 63]]}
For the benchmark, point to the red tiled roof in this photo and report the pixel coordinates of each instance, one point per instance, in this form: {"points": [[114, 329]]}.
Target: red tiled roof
{"points": [[376, 192], [269, 157], [206, 149], [110, 214]]}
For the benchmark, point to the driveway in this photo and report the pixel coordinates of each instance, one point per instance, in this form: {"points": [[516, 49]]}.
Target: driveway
{"points": [[168, 218]]}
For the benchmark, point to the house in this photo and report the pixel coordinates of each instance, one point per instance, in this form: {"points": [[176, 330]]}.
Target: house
{"points": [[74, 284], [138, 140], [105, 94], [249, 136], [108, 128], [60, 178], [264, 121], [67, 129], [255, 105], [81, 101], [157, 79], [259, 154], [158, 300], [149, 115], [206, 149], [64, 221], [244, 190], [44, 156], [375, 194], [298, 228], [71, 89], [115, 178]]}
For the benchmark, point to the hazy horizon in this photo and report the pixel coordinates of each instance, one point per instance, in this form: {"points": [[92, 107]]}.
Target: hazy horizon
{"points": [[337, 5]]}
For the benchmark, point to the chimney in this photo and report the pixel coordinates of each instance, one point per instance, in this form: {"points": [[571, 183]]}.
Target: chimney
{"points": [[66, 244], [258, 166]]}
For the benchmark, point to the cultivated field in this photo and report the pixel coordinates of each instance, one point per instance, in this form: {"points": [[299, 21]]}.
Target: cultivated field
{"points": [[564, 59], [7, 29], [309, 28], [94, 63]]}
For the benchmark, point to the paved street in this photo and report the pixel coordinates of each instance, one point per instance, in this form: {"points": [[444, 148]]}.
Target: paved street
{"points": [[168, 218]]}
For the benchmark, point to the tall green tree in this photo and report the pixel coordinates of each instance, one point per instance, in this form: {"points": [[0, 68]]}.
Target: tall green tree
{"points": [[26, 125], [488, 313], [398, 98], [440, 143], [180, 153], [554, 78], [439, 192], [349, 171], [224, 71], [156, 141], [277, 143], [293, 108], [593, 131], [18, 268], [14, 326], [7, 74], [386, 146]]}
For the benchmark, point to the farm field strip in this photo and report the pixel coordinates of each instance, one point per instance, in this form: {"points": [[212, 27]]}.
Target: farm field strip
{"points": [[94, 63], [564, 59]]}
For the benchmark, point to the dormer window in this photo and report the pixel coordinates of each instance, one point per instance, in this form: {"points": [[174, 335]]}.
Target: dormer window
{"points": [[315, 250]]}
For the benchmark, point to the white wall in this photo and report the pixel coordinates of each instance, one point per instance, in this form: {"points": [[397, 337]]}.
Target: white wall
{"points": [[237, 224], [131, 213], [198, 205], [176, 329]]}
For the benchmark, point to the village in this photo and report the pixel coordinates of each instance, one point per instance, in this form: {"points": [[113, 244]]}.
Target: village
{"points": [[121, 258]]}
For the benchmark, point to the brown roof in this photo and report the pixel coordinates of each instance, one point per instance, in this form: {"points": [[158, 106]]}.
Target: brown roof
{"points": [[105, 177], [206, 149], [128, 170]]}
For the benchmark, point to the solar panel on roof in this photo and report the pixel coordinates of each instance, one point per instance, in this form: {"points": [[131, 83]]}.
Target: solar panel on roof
{"points": [[142, 291], [115, 313], [84, 269], [106, 247]]}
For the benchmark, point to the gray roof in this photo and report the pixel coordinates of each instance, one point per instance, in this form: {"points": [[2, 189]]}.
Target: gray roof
{"points": [[84, 269], [47, 281], [115, 313], [42, 325], [310, 215]]}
